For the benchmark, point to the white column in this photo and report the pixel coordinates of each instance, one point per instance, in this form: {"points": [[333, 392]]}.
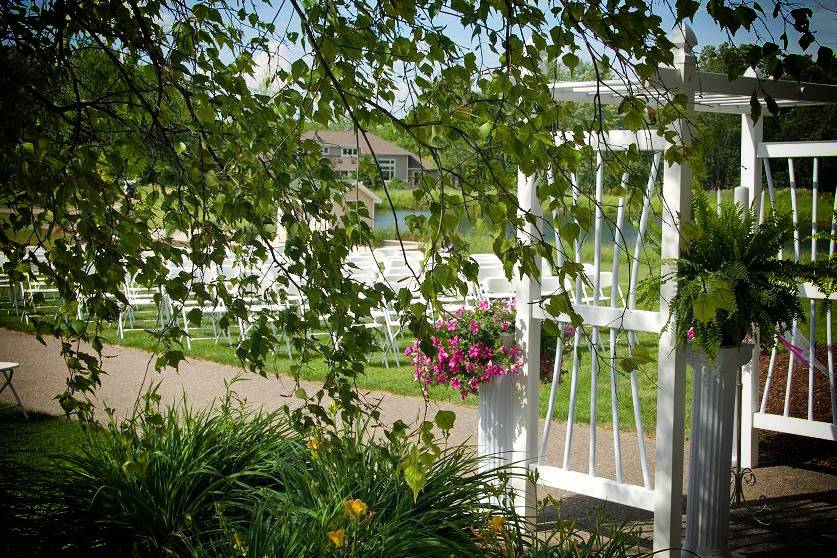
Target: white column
{"points": [[528, 334], [751, 169], [677, 180], [707, 513], [496, 422]]}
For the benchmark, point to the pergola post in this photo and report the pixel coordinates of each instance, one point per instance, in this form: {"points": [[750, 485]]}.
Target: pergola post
{"points": [[751, 136], [677, 181], [527, 332]]}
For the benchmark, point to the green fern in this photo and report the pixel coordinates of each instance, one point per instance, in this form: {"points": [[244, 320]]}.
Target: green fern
{"points": [[730, 282]]}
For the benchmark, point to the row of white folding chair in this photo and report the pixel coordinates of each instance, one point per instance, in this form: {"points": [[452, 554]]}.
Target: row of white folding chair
{"points": [[411, 259], [9, 293], [488, 260], [271, 297], [141, 303]]}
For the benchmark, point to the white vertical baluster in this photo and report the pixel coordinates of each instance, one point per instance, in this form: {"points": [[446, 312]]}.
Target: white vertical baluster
{"points": [[632, 339], [795, 213], [597, 271], [618, 245], [559, 346], [772, 194], [718, 200], [568, 441], [748, 397], [812, 316], [794, 209], [828, 338], [553, 391]]}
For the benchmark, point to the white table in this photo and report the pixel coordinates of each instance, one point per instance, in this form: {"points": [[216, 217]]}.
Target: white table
{"points": [[8, 371]]}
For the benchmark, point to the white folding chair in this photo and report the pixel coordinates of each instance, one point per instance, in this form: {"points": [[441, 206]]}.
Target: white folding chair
{"points": [[497, 287], [7, 369], [143, 302]]}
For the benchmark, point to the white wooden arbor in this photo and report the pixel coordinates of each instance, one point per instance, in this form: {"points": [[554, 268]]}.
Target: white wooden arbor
{"points": [[661, 494]]}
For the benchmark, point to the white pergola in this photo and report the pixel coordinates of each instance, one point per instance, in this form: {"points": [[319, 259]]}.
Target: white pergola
{"points": [[714, 92], [512, 424]]}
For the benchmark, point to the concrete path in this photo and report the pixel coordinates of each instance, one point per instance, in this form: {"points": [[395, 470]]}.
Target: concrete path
{"points": [[790, 488]]}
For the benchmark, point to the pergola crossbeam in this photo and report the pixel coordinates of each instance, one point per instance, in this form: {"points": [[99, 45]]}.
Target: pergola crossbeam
{"points": [[715, 92]]}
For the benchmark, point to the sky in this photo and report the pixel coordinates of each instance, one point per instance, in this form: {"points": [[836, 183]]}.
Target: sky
{"points": [[824, 27]]}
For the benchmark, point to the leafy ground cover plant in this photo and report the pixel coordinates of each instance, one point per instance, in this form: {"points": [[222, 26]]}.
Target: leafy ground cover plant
{"points": [[232, 482], [468, 348], [145, 486]]}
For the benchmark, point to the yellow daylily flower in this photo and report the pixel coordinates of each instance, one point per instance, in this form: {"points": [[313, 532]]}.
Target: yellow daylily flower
{"points": [[313, 445], [338, 537], [354, 509], [497, 522], [238, 545]]}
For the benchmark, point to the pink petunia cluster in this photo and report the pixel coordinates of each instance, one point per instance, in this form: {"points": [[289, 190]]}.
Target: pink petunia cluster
{"points": [[468, 349]]}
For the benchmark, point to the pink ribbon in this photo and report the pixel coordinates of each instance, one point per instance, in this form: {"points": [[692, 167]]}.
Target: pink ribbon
{"points": [[803, 354]]}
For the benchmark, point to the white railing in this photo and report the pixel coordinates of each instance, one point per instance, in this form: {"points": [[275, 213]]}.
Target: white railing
{"points": [[754, 402], [660, 490]]}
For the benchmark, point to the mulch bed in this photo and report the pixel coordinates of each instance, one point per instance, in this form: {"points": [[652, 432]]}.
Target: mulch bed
{"points": [[799, 386], [788, 449]]}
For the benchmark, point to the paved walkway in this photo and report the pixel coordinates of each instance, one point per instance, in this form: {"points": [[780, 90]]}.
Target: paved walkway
{"points": [[791, 489]]}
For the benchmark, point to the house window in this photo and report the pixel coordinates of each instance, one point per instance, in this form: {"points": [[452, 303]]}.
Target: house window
{"points": [[324, 150], [349, 152], [387, 168]]}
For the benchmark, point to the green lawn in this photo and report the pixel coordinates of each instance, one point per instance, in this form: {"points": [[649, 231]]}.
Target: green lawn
{"points": [[399, 380], [36, 441]]}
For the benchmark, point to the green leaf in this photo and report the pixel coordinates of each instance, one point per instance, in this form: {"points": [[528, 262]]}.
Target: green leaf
{"points": [[485, 129], [755, 108], [571, 61], [414, 472], [211, 178], [703, 308], [444, 420], [633, 120], [194, 316], [205, 112]]}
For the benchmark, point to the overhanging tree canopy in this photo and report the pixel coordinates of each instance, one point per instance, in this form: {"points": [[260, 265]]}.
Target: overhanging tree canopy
{"points": [[122, 119]]}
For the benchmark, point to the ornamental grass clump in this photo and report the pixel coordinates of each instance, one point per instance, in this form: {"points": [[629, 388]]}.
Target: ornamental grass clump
{"points": [[468, 348]]}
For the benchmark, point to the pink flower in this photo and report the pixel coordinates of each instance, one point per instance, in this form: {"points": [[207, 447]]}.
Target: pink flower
{"points": [[483, 304], [505, 325], [474, 327], [690, 334], [569, 331], [455, 384]]}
